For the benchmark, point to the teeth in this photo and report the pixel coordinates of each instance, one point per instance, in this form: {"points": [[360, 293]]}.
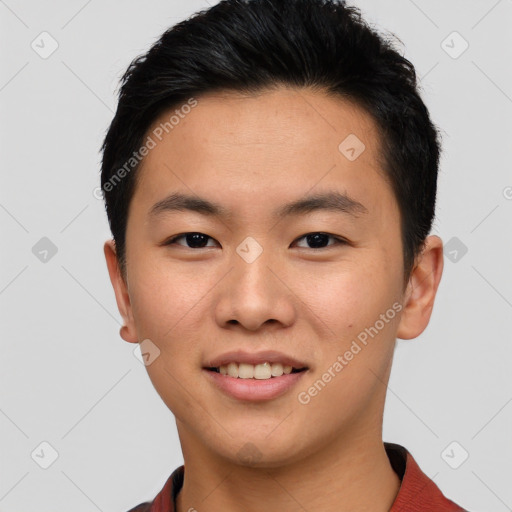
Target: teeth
{"points": [[245, 371], [233, 370], [250, 371]]}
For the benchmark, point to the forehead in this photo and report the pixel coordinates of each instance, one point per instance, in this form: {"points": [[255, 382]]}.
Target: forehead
{"points": [[264, 146]]}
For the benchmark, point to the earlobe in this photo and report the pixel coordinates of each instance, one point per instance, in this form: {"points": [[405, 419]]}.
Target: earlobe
{"points": [[421, 290], [127, 331]]}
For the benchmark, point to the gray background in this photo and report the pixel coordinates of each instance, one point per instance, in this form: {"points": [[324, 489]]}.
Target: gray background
{"points": [[68, 379]]}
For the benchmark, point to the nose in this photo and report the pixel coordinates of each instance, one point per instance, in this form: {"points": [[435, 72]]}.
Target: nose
{"points": [[255, 294]]}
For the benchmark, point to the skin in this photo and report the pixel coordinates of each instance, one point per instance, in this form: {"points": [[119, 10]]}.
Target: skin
{"points": [[251, 154]]}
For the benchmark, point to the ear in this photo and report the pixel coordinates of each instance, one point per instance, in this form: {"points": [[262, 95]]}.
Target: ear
{"points": [[127, 332], [421, 290]]}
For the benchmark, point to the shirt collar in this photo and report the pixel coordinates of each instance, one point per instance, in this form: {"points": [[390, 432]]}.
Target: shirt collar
{"points": [[417, 493]]}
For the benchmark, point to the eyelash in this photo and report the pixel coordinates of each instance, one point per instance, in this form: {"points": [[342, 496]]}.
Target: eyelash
{"points": [[337, 240]]}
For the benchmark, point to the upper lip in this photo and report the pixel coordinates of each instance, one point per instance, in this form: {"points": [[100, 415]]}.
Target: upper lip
{"points": [[240, 356]]}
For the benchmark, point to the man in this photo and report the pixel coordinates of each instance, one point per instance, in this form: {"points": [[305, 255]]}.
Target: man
{"points": [[270, 182]]}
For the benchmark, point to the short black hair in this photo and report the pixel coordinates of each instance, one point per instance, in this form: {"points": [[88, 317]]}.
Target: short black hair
{"points": [[253, 45]]}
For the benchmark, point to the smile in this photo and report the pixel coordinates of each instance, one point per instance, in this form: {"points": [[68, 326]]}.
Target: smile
{"points": [[260, 371]]}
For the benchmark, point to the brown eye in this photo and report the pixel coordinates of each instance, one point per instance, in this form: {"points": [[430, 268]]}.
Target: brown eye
{"points": [[320, 240], [192, 240]]}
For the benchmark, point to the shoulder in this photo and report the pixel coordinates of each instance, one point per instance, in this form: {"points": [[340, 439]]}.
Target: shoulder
{"points": [[164, 501], [417, 491], [143, 507]]}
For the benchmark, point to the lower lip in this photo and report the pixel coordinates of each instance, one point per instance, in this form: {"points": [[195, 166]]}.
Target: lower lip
{"points": [[255, 389]]}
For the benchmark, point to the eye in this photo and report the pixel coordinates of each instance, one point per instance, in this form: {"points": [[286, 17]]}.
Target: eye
{"points": [[320, 240], [194, 240]]}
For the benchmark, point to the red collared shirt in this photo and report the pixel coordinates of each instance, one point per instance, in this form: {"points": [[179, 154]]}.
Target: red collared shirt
{"points": [[417, 493]]}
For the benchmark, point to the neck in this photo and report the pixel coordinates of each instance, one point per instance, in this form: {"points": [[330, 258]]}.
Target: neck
{"points": [[335, 478]]}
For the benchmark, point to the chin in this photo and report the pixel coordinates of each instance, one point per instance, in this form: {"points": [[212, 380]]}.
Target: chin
{"points": [[260, 451]]}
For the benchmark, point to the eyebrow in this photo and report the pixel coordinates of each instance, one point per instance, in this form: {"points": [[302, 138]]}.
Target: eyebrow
{"points": [[331, 201]]}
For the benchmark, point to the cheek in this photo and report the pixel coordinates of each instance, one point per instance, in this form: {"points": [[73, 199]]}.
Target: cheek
{"points": [[165, 310], [362, 315], [168, 306], [350, 297], [164, 300], [357, 311]]}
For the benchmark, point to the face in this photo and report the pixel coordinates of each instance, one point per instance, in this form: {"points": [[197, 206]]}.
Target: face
{"points": [[296, 248]]}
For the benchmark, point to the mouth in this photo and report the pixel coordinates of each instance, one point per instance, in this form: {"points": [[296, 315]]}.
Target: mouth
{"points": [[262, 371], [262, 365], [254, 383]]}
